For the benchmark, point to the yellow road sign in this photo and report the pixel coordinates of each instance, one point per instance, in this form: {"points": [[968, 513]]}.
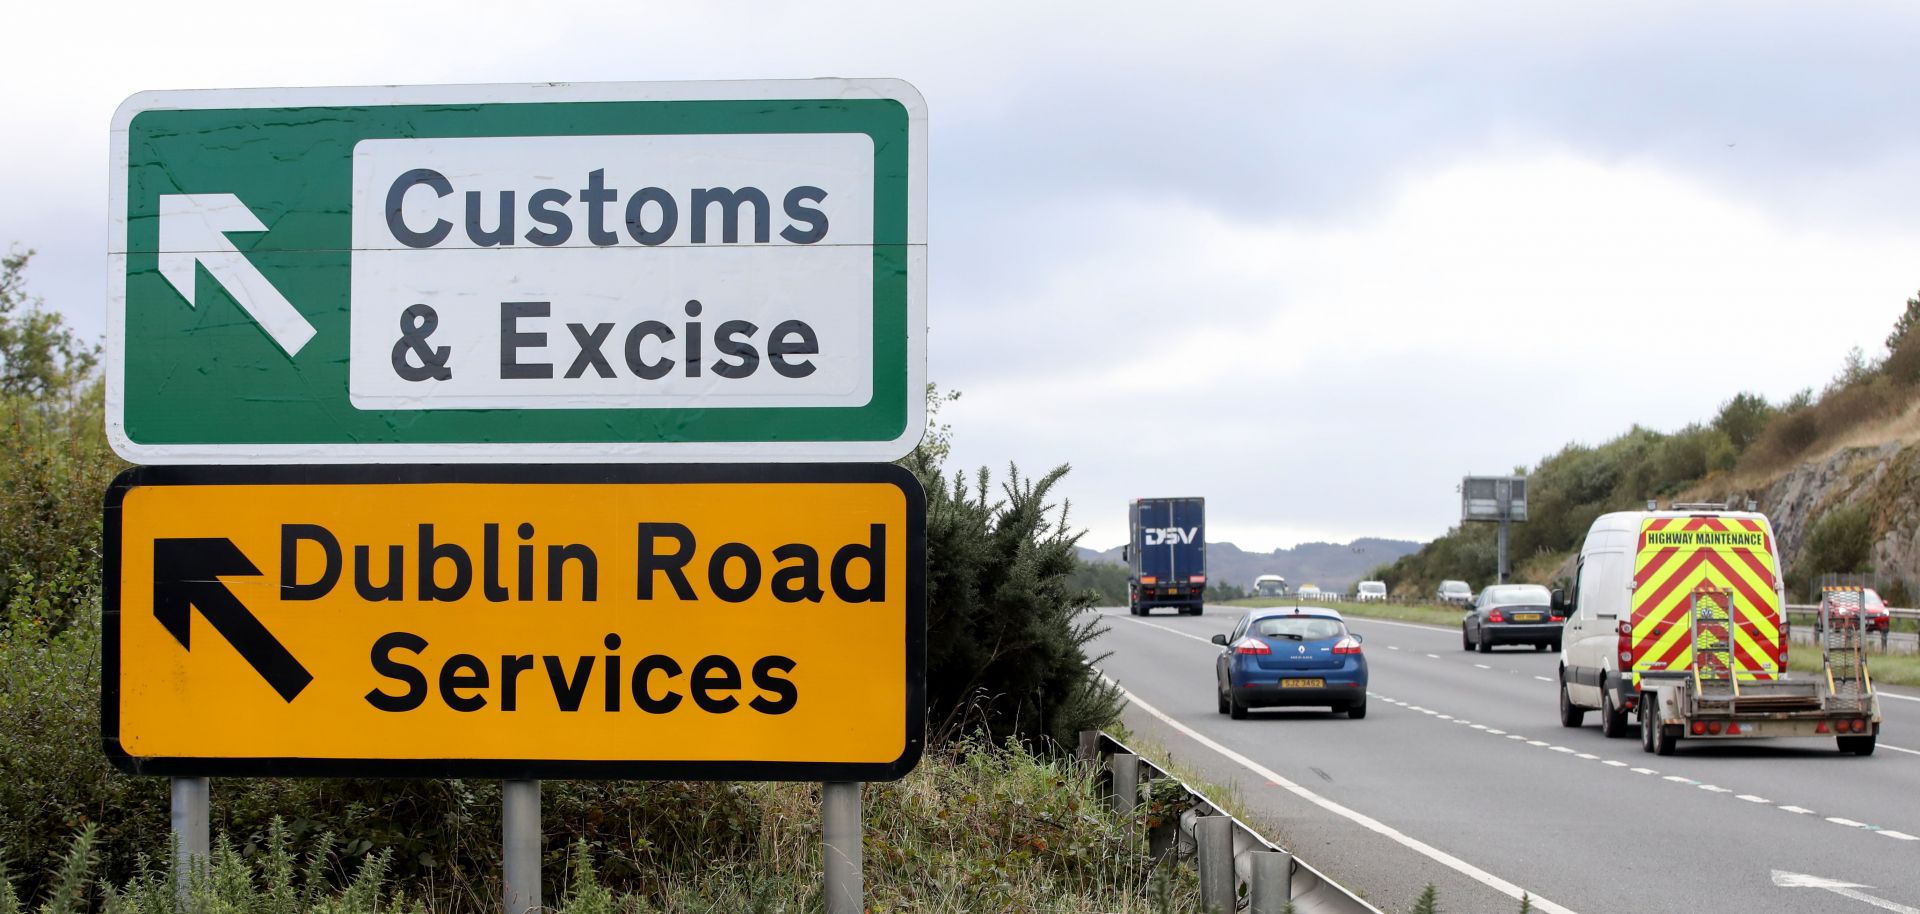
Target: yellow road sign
{"points": [[717, 622]]}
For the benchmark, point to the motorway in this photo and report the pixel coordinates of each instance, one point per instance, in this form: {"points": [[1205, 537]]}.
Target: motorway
{"points": [[1462, 776]]}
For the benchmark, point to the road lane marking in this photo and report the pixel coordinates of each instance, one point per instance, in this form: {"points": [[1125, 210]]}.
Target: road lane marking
{"points": [[1798, 810], [1481, 727], [1753, 799], [1846, 822], [1483, 666], [1897, 835], [1563, 749], [1538, 742], [1898, 749], [1644, 771], [1892, 695], [1434, 656], [1515, 736], [1393, 647], [1680, 780], [1614, 763], [1587, 755], [1429, 628], [1543, 679], [1496, 732], [1714, 788], [1166, 629], [1358, 818]]}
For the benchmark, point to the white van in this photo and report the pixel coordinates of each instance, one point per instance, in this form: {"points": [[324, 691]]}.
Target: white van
{"points": [[1627, 613]]}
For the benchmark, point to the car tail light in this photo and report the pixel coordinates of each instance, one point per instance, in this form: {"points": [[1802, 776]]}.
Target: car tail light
{"points": [[1347, 645], [1149, 579], [1556, 618], [1699, 728], [1252, 646], [1733, 729], [1495, 616]]}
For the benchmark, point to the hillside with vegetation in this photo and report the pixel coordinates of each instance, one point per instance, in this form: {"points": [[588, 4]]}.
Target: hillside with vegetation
{"points": [[1836, 470]]}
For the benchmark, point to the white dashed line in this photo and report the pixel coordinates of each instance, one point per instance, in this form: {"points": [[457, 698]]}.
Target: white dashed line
{"points": [[1753, 799], [1897, 835], [1563, 749], [1614, 763], [1680, 780], [1483, 666], [1496, 732], [1798, 810], [1543, 679], [1714, 788], [1434, 656], [1393, 647], [1849, 823], [1645, 771], [1481, 727], [1515, 736], [1586, 755]]}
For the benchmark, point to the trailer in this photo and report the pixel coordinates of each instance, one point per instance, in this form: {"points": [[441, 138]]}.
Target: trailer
{"points": [[1166, 555]]}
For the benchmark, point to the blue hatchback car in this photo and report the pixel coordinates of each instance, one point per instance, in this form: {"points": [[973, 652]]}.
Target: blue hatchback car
{"points": [[1291, 655]]}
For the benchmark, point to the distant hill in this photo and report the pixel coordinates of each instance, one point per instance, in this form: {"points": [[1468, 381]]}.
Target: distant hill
{"points": [[1331, 566]]}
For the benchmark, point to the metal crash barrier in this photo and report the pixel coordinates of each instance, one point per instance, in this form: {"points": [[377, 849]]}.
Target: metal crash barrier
{"points": [[1239, 869]]}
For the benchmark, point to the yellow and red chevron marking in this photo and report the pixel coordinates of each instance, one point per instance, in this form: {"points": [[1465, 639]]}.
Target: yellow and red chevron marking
{"points": [[1666, 574]]}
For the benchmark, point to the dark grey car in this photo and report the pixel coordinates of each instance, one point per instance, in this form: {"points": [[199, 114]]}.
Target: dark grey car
{"points": [[1511, 614]]}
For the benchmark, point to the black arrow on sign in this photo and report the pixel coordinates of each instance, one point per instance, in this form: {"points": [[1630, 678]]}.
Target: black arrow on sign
{"points": [[186, 574]]}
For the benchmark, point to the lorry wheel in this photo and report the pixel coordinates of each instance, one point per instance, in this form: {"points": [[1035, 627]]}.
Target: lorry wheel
{"points": [[1571, 715], [1613, 721], [1197, 610], [1858, 745]]}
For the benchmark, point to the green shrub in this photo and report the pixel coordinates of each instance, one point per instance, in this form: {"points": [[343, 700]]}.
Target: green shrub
{"points": [[1840, 542]]}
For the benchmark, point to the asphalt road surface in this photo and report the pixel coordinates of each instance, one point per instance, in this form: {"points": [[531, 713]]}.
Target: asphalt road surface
{"points": [[1462, 776]]}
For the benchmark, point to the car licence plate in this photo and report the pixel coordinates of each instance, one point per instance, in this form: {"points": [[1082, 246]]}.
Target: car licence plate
{"points": [[1526, 617], [1303, 683]]}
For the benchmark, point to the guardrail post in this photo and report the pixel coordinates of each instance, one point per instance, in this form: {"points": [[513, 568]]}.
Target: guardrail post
{"points": [[520, 845], [1214, 837], [1089, 746], [840, 847], [1163, 837], [1126, 783], [1271, 882], [192, 817]]}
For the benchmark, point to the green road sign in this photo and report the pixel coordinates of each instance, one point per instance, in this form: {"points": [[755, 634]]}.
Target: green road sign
{"points": [[623, 271]]}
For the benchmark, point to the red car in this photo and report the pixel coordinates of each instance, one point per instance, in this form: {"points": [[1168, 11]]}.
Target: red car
{"points": [[1878, 619]]}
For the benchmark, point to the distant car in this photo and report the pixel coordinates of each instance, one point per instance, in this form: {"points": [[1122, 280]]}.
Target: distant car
{"points": [[1370, 592], [1307, 592], [1512, 614], [1454, 592], [1840, 606], [1288, 656]]}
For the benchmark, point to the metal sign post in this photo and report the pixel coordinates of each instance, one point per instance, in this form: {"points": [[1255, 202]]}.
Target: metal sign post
{"points": [[840, 846], [192, 815], [520, 845], [1498, 499]]}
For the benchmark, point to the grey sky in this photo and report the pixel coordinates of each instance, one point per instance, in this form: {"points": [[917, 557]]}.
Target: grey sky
{"points": [[1312, 261]]}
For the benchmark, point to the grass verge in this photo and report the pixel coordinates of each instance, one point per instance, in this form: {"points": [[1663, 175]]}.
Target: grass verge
{"points": [[1887, 669], [1443, 616], [978, 828]]}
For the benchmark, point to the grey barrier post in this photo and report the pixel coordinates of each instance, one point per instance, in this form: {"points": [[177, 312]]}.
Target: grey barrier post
{"points": [[1271, 884], [192, 817], [1126, 783], [840, 846], [520, 845], [1213, 836]]}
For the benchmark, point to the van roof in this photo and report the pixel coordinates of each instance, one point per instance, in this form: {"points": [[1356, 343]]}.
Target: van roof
{"points": [[1631, 520]]}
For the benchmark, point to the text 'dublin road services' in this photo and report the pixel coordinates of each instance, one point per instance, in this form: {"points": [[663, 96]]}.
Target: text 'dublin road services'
{"points": [[686, 622], [658, 272]]}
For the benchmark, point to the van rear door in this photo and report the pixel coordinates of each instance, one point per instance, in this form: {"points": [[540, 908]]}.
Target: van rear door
{"points": [[1679, 556]]}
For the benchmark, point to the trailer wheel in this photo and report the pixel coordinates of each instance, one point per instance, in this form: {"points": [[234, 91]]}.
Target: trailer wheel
{"points": [[1858, 745], [1666, 739], [1647, 722]]}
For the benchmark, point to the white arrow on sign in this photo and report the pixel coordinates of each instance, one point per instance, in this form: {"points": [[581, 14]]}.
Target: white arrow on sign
{"points": [[193, 228], [1845, 889]]}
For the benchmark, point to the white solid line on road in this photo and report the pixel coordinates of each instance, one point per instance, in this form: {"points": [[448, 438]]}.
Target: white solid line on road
{"points": [[1885, 694], [1165, 629], [1798, 810], [1361, 819], [1372, 621], [1898, 749], [1753, 799]]}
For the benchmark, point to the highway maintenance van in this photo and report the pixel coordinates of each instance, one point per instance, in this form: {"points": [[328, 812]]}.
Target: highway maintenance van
{"points": [[1677, 616], [1166, 554]]}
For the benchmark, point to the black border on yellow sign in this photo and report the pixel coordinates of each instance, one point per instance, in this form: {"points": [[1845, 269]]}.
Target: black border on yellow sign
{"points": [[560, 474]]}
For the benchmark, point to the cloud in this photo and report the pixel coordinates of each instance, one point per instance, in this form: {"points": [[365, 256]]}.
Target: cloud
{"points": [[1343, 380]]}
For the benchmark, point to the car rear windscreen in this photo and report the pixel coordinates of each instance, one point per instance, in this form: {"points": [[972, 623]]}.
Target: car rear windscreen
{"points": [[1302, 628]]}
